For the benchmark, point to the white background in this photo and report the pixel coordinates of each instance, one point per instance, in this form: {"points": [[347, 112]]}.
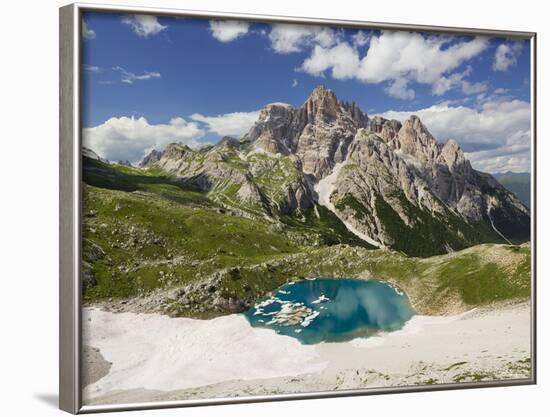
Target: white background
{"points": [[29, 205]]}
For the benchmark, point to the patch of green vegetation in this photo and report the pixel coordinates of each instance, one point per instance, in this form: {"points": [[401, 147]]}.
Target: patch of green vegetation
{"points": [[521, 366], [274, 174], [430, 381], [455, 365], [326, 225], [360, 212], [516, 249], [119, 177], [394, 266], [475, 376], [481, 283], [232, 158], [154, 171]]}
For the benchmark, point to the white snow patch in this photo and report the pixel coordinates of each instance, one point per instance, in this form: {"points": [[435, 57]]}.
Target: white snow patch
{"points": [[325, 187], [157, 352], [309, 319], [322, 298]]}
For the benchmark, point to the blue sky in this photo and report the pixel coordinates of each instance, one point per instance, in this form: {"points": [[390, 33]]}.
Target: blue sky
{"points": [[194, 80]]}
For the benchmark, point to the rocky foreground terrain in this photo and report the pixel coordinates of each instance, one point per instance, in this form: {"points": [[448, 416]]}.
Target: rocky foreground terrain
{"points": [[486, 344], [316, 190]]}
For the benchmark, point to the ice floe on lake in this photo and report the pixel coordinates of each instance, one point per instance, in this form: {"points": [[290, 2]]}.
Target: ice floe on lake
{"points": [[322, 298]]}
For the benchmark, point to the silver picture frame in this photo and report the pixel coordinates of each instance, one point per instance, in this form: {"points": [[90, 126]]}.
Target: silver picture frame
{"points": [[70, 203]]}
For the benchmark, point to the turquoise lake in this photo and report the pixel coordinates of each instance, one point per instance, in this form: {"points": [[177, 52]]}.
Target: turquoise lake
{"points": [[332, 309]]}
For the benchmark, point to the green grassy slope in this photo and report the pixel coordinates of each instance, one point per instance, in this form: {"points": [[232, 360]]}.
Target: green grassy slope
{"points": [[149, 231], [151, 244]]}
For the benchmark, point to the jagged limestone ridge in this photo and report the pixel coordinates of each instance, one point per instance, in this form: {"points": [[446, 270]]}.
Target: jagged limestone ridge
{"points": [[396, 176]]}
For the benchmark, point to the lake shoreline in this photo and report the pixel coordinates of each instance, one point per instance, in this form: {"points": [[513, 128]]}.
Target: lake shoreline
{"points": [[332, 309], [487, 343]]}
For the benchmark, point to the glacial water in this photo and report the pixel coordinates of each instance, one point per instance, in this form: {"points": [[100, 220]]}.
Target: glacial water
{"points": [[332, 309]]}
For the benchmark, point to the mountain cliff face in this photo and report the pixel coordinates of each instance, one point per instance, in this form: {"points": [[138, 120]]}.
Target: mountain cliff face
{"points": [[392, 184], [318, 133]]}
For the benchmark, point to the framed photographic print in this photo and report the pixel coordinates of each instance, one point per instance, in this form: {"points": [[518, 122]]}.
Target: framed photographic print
{"points": [[260, 208]]}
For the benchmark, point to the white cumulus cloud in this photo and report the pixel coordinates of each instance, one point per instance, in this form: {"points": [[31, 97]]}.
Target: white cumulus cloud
{"points": [[398, 54], [514, 156], [361, 38], [87, 33], [506, 56], [399, 88], [288, 38], [474, 88], [131, 138], [398, 58], [342, 61], [496, 136], [121, 138], [228, 30], [143, 25], [229, 124], [456, 80]]}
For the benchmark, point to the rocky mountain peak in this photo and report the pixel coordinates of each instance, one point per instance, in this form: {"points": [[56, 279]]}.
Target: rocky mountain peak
{"points": [[418, 131], [451, 148], [386, 129], [89, 153], [176, 151], [322, 104], [150, 159], [273, 112], [415, 139], [276, 124], [453, 155], [321, 93], [360, 118], [227, 141], [318, 132]]}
